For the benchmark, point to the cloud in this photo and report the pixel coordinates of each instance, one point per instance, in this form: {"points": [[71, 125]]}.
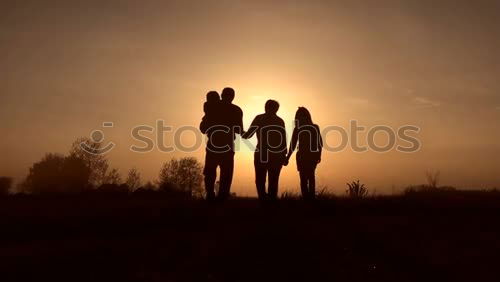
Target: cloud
{"points": [[424, 102]]}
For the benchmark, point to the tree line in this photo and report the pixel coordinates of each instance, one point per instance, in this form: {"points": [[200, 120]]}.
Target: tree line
{"points": [[84, 170]]}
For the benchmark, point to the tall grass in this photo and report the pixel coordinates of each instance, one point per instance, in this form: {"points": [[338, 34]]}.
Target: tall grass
{"points": [[356, 190]]}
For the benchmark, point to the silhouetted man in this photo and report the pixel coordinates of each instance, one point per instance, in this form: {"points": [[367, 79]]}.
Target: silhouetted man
{"points": [[271, 148], [221, 129]]}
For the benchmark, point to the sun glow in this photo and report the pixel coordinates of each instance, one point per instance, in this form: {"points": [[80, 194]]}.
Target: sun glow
{"points": [[253, 105]]}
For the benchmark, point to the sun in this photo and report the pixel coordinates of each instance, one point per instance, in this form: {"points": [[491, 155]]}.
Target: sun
{"points": [[253, 105]]}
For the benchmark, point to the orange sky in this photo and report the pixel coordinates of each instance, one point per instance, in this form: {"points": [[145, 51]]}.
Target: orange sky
{"points": [[66, 68]]}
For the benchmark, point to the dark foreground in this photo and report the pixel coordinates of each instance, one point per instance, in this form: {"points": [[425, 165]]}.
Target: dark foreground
{"points": [[151, 238]]}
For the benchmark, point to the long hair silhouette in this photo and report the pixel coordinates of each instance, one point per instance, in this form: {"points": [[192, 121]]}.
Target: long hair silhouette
{"points": [[303, 117]]}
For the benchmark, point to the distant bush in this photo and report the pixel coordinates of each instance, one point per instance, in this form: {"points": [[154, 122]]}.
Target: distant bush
{"points": [[146, 190], [5, 185], [433, 178], [57, 174], [429, 190], [113, 188], [149, 186], [183, 177]]}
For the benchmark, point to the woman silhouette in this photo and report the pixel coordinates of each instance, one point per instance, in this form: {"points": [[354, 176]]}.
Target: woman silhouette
{"points": [[308, 137]]}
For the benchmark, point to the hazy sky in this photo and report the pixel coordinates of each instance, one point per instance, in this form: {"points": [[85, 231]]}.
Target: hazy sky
{"points": [[68, 66]]}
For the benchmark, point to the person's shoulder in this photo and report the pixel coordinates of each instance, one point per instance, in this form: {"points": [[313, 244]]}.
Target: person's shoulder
{"points": [[260, 117], [280, 120], [236, 108], [257, 120]]}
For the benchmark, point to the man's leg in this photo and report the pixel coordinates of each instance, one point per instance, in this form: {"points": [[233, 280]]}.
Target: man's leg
{"points": [[260, 179], [226, 174], [210, 173], [274, 176]]}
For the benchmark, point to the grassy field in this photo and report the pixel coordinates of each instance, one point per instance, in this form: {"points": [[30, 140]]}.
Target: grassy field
{"points": [[439, 237]]}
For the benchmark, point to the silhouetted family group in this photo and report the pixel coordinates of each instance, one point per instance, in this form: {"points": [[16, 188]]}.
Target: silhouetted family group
{"points": [[223, 120]]}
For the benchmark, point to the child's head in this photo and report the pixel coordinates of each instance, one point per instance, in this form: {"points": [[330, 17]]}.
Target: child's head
{"points": [[213, 96]]}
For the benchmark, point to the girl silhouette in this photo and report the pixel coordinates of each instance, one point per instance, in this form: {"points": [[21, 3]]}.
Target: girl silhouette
{"points": [[308, 137]]}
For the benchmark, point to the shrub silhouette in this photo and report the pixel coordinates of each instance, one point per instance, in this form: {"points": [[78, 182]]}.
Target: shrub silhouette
{"points": [[5, 185], [432, 178], [147, 189], [57, 174], [113, 189], [431, 188], [182, 176], [149, 186], [356, 190], [428, 190]]}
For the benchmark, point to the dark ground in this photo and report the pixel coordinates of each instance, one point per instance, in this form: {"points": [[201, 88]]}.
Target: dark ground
{"points": [[151, 238]]}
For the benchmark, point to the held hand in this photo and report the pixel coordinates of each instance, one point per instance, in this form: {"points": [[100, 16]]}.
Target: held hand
{"points": [[286, 160], [245, 135]]}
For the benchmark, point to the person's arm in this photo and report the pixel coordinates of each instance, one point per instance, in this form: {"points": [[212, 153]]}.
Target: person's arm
{"points": [[239, 123], [283, 144], [252, 129], [293, 143], [320, 143]]}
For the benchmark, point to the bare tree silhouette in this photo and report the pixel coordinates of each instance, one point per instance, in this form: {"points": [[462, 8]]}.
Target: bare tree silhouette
{"points": [[89, 151], [133, 179], [113, 177]]}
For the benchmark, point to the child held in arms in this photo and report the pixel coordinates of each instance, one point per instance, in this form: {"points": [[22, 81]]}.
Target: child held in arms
{"points": [[211, 106]]}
